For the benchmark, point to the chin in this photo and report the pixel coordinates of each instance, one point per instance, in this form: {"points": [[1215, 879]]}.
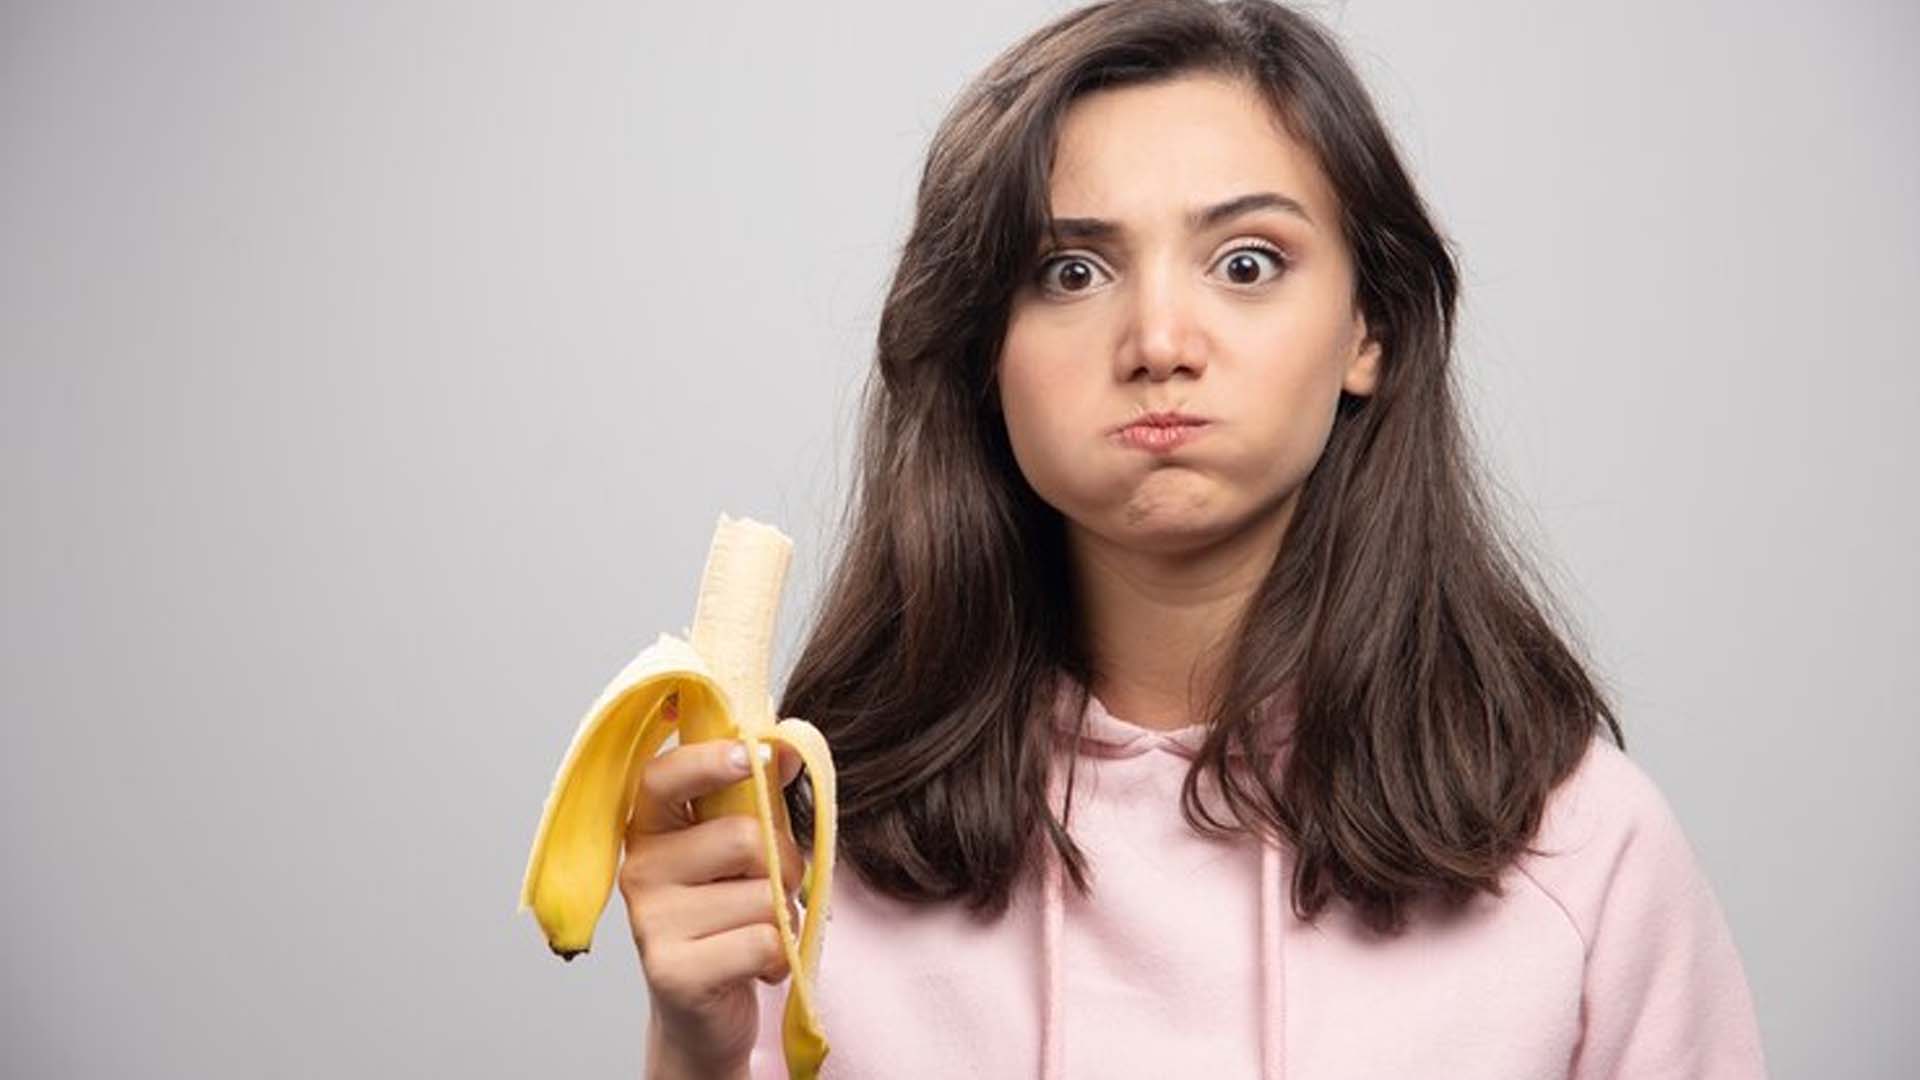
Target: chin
{"points": [[1167, 515], [1167, 534]]}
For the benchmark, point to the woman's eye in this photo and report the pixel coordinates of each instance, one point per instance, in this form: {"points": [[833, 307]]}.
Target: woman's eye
{"points": [[1243, 263], [1076, 274]]}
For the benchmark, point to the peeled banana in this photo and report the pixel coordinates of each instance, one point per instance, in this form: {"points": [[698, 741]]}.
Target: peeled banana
{"points": [[712, 687]]}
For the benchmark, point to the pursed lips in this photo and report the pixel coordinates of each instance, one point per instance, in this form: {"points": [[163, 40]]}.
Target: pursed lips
{"points": [[1161, 420], [1158, 430]]}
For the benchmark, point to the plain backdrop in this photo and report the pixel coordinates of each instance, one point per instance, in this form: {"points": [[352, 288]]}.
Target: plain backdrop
{"points": [[374, 374]]}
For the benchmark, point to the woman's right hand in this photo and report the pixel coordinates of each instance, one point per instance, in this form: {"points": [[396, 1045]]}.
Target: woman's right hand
{"points": [[698, 901]]}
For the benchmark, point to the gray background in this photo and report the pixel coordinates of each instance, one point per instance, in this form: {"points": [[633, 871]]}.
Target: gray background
{"points": [[374, 373]]}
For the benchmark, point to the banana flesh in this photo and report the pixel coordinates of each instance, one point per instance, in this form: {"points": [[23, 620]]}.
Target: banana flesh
{"points": [[713, 686]]}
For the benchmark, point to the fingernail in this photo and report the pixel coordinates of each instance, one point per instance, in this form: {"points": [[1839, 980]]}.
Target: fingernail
{"points": [[737, 756]]}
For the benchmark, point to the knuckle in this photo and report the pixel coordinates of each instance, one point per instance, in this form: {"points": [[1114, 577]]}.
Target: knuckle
{"points": [[652, 776], [743, 835], [645, 940], [646, 929], [669, 979], [632, 875], [766, 941]]}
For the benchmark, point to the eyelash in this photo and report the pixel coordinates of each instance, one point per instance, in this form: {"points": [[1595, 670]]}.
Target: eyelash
{"points": [[1279, 257]]}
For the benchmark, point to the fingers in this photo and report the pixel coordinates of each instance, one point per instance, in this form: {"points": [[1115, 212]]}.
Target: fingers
{"points": [[671, 781], [718, 850], [703, 883], [690, 970], [683, 914], [697, 892]]}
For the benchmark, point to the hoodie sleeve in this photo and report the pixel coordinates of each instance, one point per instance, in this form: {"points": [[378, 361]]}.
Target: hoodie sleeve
{"points": [[1665, 996]]}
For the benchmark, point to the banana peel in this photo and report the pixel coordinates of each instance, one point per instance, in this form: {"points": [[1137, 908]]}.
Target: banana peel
{"points": [[713, 686]]}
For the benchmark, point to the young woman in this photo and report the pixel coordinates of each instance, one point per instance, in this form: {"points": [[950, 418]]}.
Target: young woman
{"points": [[1168, 577]]}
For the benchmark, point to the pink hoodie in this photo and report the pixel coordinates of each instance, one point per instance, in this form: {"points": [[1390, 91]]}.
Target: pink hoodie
{"points": [[1608, 957]]}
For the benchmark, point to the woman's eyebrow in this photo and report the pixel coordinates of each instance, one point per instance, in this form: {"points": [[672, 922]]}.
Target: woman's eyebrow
{"points": [[1205, 217]]}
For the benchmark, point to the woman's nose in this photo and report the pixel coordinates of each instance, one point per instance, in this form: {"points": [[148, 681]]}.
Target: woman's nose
{"points": [[1163, 337]]}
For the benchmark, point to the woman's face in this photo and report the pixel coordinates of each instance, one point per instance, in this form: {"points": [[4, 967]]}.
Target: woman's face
{"points": [[1241, 321]]}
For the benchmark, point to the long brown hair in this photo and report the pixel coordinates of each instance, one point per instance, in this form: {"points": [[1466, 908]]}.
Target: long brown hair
{"points": [[1436, 702]]}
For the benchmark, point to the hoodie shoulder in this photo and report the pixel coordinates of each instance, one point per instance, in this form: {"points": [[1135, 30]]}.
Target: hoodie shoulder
{"points": [[1606, 827], [1665, 993]]}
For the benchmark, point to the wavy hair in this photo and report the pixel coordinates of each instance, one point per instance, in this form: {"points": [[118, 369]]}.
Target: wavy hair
{"points": [[1436, 699]]}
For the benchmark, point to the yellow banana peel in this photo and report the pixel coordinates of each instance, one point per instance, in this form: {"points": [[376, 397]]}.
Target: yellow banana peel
{"points": [[711, 687]]}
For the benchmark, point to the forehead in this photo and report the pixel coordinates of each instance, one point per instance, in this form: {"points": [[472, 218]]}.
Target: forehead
{"points": [[1155, 150]]}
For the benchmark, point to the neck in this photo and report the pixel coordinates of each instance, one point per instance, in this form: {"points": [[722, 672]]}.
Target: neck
{"points": [[1159, 625]]}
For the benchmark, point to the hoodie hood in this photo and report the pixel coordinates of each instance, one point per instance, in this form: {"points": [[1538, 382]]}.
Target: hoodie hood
{"points": [[1104, 735], [1607, 956]]}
